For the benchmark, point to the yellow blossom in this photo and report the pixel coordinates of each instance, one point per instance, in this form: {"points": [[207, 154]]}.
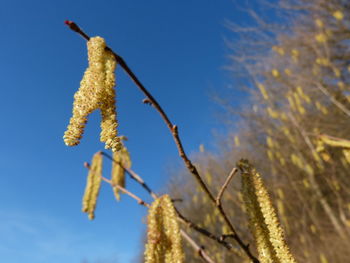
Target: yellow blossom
{"points": [[263, 220], [278, 50], [121, 160], [321, 38], [288, 72], [96, 92], [275, 73], [263, 91], [338, 15], [319, 23], [93, 185], [237, 142], [163, 233], [273, 114]]}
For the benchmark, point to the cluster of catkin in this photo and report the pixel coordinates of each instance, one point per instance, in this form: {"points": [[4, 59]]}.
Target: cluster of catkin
{"points": [[263, 220], [94, 178], [163, 237], [163, 233], [96, 92]]}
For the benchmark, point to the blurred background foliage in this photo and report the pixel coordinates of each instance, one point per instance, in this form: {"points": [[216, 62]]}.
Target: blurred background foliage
{"points": [[294, 67]]}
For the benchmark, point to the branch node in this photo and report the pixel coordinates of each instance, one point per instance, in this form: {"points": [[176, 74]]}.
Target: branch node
{"points": [[87, 165], [147, 101], [224, 186], [175, 130]]}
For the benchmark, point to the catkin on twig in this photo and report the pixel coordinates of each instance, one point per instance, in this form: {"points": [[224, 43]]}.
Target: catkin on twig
{"points": [[96, 92], [121, 160], [263, 220], [93, 185], [163, 233]]}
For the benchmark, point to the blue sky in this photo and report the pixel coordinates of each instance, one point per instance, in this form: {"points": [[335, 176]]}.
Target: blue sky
{"points": [[177, 50]]}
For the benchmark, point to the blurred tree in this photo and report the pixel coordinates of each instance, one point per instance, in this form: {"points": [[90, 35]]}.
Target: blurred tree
{"points": [[295, 66]]}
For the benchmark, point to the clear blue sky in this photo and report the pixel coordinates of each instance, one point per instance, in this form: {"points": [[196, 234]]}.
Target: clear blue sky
{"points": [[177, 50]]}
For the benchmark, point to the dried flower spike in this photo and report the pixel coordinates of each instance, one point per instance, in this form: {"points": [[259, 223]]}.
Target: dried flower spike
{"points": [[96, 92], [93, 185], [121, 161], [163, 234], [263, 221]]}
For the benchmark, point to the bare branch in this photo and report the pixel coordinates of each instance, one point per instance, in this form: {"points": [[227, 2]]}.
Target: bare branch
{"points": [[174, 131], [224, 186]]}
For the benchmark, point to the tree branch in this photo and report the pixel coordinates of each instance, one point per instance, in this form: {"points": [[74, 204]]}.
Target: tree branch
{"points": [[174, 131]]}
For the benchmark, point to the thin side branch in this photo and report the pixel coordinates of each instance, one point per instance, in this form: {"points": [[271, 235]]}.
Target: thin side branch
{"points": [[224, 186], [122, 189], [181, 217], [133, 176]]}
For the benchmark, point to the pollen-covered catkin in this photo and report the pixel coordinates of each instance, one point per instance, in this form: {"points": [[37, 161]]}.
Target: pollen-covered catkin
{"points": [[163, 233], [121, 161], [263, 220], [96, 92], [93, 185]]}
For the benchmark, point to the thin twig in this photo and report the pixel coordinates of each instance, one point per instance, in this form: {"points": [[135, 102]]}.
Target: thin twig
{"points": [[174, 131], [224, 186], [199, 249], [122, 189], [133, 176], [182, 218]]}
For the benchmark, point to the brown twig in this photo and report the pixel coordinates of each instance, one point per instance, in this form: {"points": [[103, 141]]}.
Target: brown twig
{"points": [[199, 249], [122, 189], [181, 217], [133, 176], [224, 186], [174, 131], [202, 231]]}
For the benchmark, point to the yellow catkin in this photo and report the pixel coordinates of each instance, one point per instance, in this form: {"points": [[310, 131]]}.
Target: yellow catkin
{"points": [[163, 233], [288, 72], [319, 23], [323, 61], [346, 153], [270, 155], [121, 161], [93, 185], [272, 113], [264, 224], [341, 85], [275, 73], [323, 258], [269, 142], [321, 38], [263, 91], [96, 92], [237, 141], [335, 142], [278, 50], [295, 55], [338, 15], [291, 102]]}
